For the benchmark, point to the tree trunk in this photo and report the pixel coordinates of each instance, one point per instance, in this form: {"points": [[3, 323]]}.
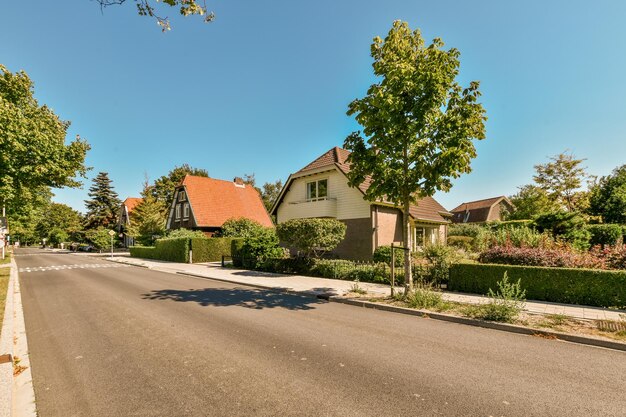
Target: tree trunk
{"points": [[406, 232]]}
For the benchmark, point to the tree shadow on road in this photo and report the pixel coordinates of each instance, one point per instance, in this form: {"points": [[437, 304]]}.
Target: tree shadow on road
{"points": [[242, 297]]}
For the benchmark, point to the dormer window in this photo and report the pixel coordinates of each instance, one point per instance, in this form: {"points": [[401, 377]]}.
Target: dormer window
{"points": [[317, 190], [182, 196]]}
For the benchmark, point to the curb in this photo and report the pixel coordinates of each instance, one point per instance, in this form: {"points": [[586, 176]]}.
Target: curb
{"points": [[511, 328], [6, 348]]}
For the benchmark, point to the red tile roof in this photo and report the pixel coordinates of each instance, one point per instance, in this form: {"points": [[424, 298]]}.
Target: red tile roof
{"points": [[214, 201], [131, 203], [426, 208]]}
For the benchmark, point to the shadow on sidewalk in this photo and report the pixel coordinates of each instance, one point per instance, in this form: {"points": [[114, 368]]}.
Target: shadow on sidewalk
{"points": [[249, 298]]}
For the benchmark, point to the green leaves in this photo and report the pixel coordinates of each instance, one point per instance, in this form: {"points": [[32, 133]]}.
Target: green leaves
{"points": [[33, 152], [312, 236]]}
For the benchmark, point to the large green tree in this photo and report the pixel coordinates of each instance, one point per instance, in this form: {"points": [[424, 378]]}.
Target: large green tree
{"points": [[531, 201], [608, 197], [59, 218], [163, 189], [147, 220], [33, 152], [270, 193], [419, 124], [103, 204], [147, 8], [561, 178]]}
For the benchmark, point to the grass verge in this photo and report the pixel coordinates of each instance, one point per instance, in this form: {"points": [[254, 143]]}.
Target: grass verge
{"points": [[4, 284]]}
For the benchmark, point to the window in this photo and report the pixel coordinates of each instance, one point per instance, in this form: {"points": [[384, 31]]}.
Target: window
{"points": [[177, 211], [182, 196], [317, 190], [186, 211]]}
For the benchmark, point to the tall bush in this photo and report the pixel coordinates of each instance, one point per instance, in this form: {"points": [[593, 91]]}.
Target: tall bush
{"points": [[383, 254], [569, 226], [261, 247], [605, 234], [210, 249], [312, 237], [240, 227]]}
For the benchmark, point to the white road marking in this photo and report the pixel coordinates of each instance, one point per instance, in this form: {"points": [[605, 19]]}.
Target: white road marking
{"points": [[74, 266]]}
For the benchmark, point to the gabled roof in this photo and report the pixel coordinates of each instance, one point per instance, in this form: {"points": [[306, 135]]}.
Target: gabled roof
{"points": [[131, 203], [427, 208], [214, 201], [480, 204], [478, 211]]}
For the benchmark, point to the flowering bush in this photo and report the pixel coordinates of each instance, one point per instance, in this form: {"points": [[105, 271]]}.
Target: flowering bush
{"points": [[556, 257]]}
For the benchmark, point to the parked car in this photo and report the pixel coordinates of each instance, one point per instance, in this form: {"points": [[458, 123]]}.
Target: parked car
{"points": [[85, 248]]}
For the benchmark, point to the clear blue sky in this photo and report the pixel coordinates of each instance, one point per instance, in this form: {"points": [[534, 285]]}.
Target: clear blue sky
{"points": [[264, 89]]}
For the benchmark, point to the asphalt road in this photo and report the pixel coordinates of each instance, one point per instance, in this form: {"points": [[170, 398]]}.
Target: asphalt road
{"points": [[112, 340]]}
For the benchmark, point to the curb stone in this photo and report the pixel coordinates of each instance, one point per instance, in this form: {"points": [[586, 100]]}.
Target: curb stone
{"points": [[511, 328]]}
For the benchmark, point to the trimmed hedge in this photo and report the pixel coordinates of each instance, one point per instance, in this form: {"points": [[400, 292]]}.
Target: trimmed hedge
{"points": [[591, 287], [173, 250], [210, 249]]}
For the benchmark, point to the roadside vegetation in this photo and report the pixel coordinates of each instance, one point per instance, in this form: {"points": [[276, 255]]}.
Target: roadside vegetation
{"points": [[4, 284]]}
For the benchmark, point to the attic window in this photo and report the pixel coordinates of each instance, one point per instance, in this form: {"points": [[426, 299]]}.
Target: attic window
{"points": [[182, 196], [317, 190], [186, 211], [177, 211]]}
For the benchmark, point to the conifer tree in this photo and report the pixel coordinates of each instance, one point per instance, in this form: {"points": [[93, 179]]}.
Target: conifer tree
{"points": [[147, 221], [103, 205]]}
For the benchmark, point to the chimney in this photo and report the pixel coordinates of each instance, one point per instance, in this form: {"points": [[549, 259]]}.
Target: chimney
{"points": [[238, 181]]}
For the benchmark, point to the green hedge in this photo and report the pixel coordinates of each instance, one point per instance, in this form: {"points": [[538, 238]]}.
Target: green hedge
{"points": [[173, 250], [236, 246], [210, 249], [605, 234], [561, 285]]}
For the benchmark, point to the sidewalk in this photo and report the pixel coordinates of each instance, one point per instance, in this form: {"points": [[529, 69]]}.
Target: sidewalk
{"points": [[335, 287]]}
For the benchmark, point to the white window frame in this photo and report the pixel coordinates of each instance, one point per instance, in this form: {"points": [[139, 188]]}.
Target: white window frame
{"points": [[316, 198], [177, 211], [182, 195], [186, 211]]}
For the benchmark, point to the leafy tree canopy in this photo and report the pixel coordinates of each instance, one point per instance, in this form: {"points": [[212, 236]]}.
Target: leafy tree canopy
{"points": [[270, 193], [418, 123], [33, 153], [103, 205], [163, 189], [608, 197], [60, 220], [560, 178], [147, 8], [531, 201]]}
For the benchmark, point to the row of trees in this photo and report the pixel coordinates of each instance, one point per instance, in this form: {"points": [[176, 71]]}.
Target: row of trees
{"points": [[558, 187]]}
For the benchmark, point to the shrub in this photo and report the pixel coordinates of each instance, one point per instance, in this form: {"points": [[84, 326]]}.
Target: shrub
{"points": [[99, 238], [236, 247], [210, 249], [299, 265], [465, 229], [240, 227], [561, 285], [260, 247], [505, 304], [520, 236], [462, 242], [565, 225], [557, 257], [383, 254], [605, 234], [424, 297], [613, 257], [438, 260], [509, 224], [350, 270], [184, 233], [312, 237], [173, 250]]}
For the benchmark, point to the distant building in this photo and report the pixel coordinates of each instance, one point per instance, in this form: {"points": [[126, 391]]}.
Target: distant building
{"points": [[321, 189], [123, 221], [202, 203], [482, 211]]}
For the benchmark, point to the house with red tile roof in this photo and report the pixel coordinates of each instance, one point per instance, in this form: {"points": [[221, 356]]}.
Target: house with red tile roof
{"points": [[124, 217], [321, 189], [202, 203], [482, 211]]}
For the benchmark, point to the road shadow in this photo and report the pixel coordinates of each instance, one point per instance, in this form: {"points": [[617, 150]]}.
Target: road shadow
{"points": [[242, 297]]}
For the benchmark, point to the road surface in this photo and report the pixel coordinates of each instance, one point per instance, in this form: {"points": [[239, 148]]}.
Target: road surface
{"points": [[112, 340]]}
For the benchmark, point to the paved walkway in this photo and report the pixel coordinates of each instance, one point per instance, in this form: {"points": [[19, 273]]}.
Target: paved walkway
{"points": [[339, 287]]}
